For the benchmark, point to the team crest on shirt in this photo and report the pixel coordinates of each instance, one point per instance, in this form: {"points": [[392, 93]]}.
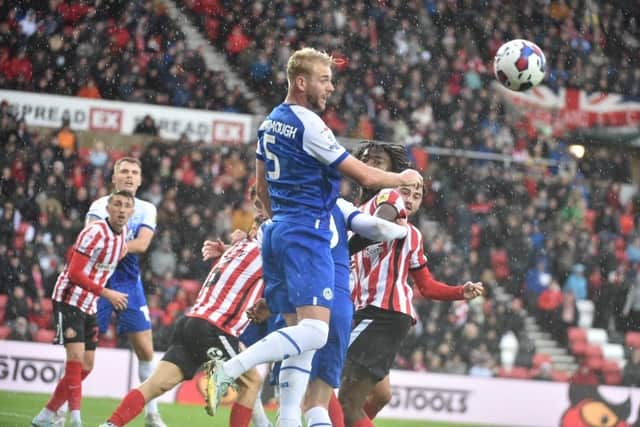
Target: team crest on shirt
{"points": [[70, 333], [382, 198], [327, 294]]}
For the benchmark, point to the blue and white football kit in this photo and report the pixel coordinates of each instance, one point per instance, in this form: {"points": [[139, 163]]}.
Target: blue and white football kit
{"points": [[301, 157], [126, 278], [329, 360]]}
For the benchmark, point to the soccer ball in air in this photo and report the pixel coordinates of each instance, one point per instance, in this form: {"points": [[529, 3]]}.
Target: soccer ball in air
{"points": [[519, 65]]}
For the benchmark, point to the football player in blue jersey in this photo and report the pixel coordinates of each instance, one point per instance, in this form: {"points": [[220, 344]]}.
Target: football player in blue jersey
{"points": [[134, 320], [299, 166], [328, 361]]}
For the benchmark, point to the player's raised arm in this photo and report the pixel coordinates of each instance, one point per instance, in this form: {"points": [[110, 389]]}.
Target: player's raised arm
{"points": [[370, 177]]}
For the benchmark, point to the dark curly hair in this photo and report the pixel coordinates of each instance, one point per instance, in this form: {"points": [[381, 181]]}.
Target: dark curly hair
{"points": [[396, 152]]}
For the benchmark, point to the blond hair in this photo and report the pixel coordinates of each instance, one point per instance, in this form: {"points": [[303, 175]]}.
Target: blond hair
{"points": [[301, 62], [133, 160]]}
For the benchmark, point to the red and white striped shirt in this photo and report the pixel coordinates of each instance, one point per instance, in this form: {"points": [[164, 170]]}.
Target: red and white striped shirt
{"points": [[232, 286], [102, 249], [381, 270]]}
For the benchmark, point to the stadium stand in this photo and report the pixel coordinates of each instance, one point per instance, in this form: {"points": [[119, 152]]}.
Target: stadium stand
{"points": [[522, 228], [49, 47]]}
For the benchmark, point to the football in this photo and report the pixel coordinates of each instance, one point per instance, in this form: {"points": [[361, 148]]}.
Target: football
{"points": [[519, 65]]}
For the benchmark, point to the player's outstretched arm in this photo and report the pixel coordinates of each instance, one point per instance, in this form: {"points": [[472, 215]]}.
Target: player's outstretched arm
{"points": [[430, 288], [377, 229], [358, 242], [370, 177]]}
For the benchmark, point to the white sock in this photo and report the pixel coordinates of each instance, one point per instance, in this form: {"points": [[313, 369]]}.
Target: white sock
{"points": [[75, 415], [145, 368], [317, 417], [258, 416], [64, 408], [309, 334], [293, 380]]}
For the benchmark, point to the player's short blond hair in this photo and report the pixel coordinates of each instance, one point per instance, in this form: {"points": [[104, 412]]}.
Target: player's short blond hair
{"points": [[122, 160], [302, 61]]}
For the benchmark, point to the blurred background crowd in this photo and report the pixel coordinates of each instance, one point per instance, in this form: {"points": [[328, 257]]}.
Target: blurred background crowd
{"points": [[416, 73]]}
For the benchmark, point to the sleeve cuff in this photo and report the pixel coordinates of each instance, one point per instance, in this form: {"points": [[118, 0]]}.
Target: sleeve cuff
{"points": [[351, 216], [340, 159]]}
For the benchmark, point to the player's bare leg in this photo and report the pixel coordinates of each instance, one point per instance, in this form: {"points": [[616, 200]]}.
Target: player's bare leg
{"points": [[142, 343], [357, 384], [164, 378], [249, 386], [379, 398]]}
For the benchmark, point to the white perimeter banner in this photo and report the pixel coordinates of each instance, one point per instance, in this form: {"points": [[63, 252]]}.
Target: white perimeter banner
{"points": [[507, 402], [122, 117], [37, 367]]}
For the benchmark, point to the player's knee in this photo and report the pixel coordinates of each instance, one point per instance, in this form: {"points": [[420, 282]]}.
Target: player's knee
{"points": [[380, 397], [318, 332]]}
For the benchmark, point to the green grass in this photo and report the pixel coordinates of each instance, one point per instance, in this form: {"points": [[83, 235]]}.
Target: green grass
{"points": [[17, 410]]}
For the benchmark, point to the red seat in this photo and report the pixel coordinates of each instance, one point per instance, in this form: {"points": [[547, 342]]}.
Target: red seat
{"points": [[560, 376], [191, 288], [579, 348], [632, 339], [47, 305], [594, 363], [576, 334], [3, 300], [45, 335], [610, 366], [517, 372], [540, 358], [593, 351], [4, 332], [613, 378]]}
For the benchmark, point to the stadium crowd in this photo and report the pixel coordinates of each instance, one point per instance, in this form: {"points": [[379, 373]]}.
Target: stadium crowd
{"points": [[418, 71], [549, 235], [502, 225], [52, 47]]}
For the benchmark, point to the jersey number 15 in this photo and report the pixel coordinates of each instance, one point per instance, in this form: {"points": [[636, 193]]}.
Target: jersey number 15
{"points": [[271, 139]]}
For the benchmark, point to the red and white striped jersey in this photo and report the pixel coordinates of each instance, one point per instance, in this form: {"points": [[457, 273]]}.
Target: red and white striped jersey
{"points": [[381, 270], [104, 248], [232, 286]]}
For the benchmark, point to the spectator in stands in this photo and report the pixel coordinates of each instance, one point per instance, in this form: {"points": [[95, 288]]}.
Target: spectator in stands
{"points": [[17, 305], [631, 372], [147, 126], [537, 281], [550, 309], [631, 310], [576, 283], [99, 158], [163, 259], [20, 330], [89, 90], [66, 138]]}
